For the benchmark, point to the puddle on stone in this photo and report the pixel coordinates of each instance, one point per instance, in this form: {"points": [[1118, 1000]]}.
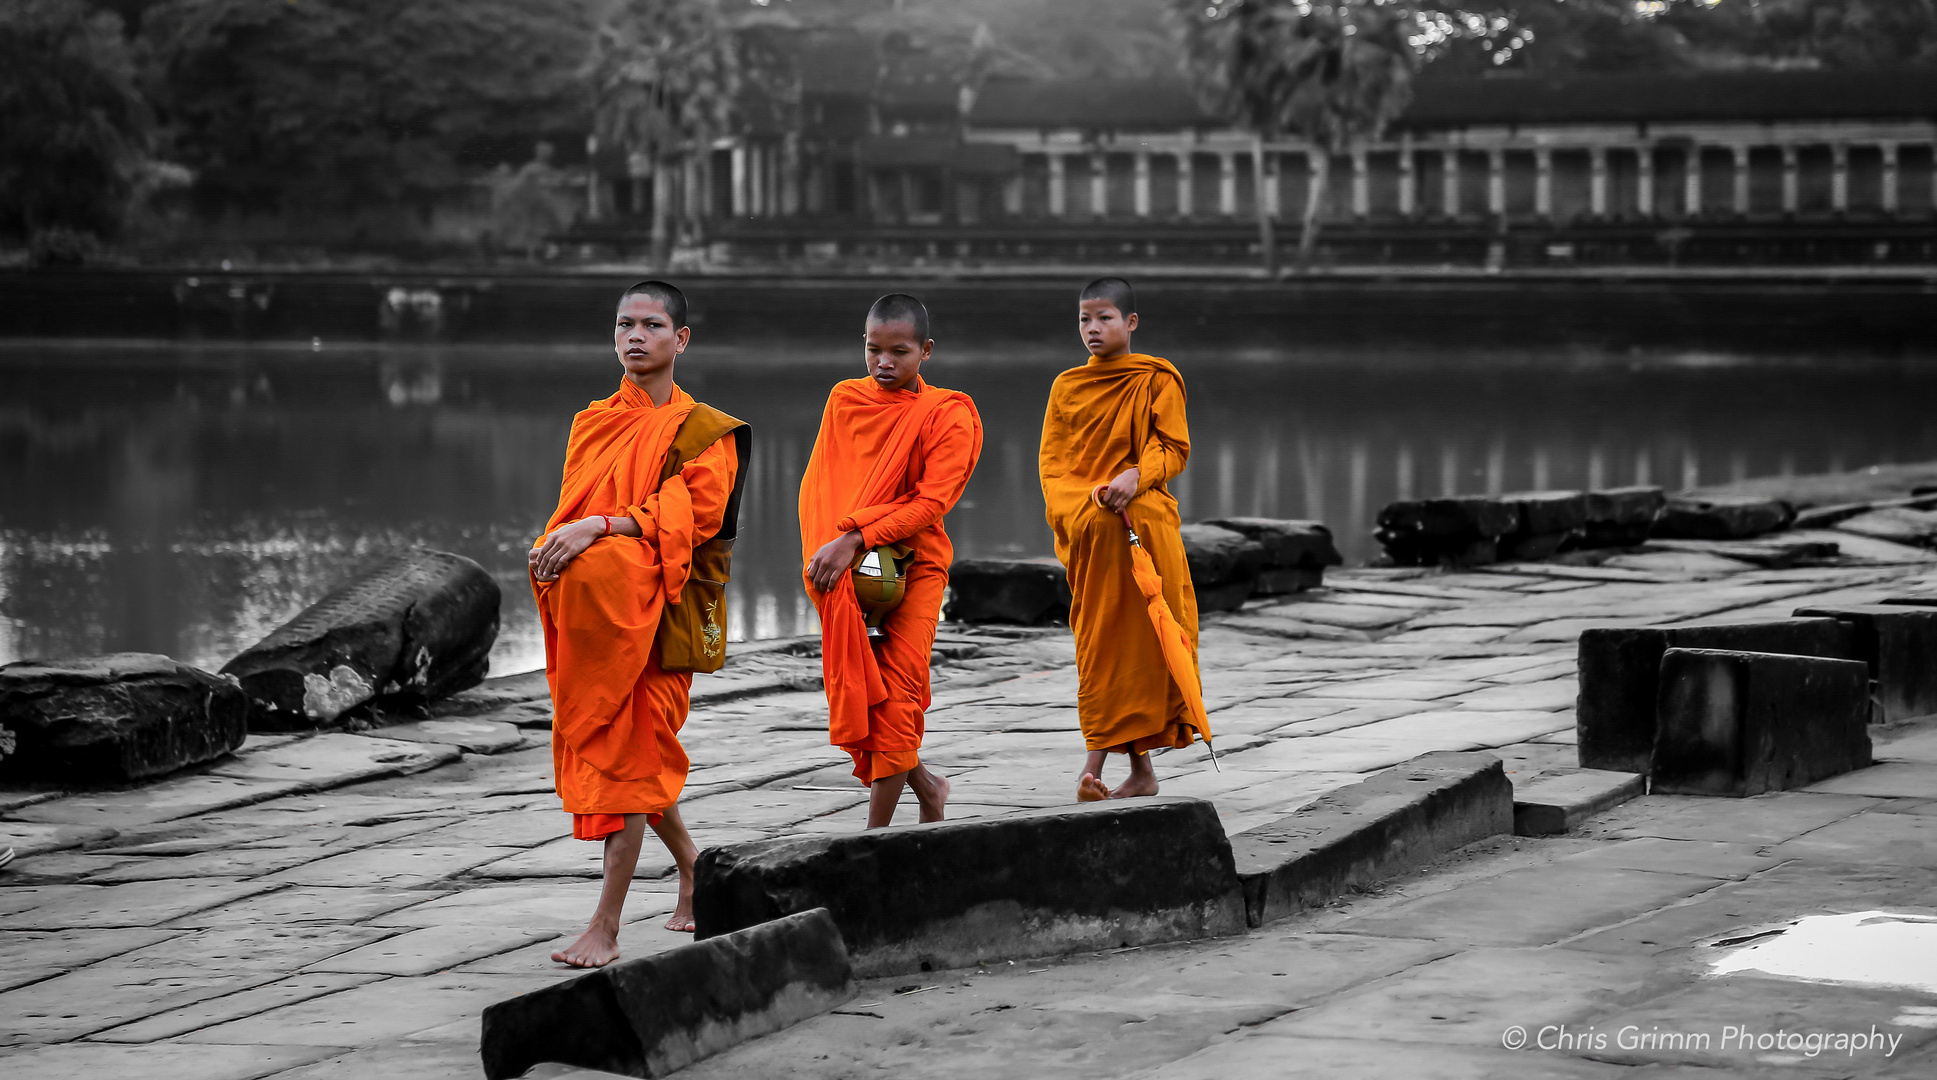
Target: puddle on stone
{"points": [[1866, 948]]}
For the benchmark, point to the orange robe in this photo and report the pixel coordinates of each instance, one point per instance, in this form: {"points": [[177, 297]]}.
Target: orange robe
{"points": [[616, 714], [1103, 418], [889, 463]]}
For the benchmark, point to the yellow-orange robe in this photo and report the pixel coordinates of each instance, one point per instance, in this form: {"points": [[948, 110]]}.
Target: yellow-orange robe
{"points": [[1103, 418], [889, 463], [616, 714]]}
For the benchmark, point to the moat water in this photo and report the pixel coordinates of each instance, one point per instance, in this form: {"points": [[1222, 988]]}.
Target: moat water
{"points": [[185, 499]]}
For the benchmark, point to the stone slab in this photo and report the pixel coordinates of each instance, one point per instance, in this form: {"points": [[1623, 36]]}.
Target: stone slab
{"points": [[1372, 830], [469, 735], [169, 800], [1287, 544], [1007, 590], [303, 904], [1031, 883], [434, 948], [1900, 645], [34, 838], [202, 1014], [334, 759], [1891, 780], [1742, 723], [1764, 819], [1620, 676], [1718, 859], [1557, 801], [653, 1016], [1722, 517], [1907, 840], [1264, 1052], [30, 956], [375, 1013], [143, 903], [399, 867], [1534, 906], [167, 1062]]}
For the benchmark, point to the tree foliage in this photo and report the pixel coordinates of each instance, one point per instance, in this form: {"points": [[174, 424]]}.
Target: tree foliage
{"points": [[331, 104], [76, 133]]}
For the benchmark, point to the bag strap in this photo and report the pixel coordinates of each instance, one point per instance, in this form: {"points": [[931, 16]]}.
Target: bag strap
{"points": [[703, 427]]}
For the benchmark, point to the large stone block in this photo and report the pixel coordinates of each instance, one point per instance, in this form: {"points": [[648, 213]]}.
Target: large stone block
{"points": [[1457, 531], [1287, 543], [1555, 801], [1722, 517], [1224, 566], [1007, 590], [115, 719], [415, 627], [1742, 723], [1035, 883], [1899, 642], [1380, 827], [1621, 517], [658, 1014], [1898, 524], [1620, 676]]}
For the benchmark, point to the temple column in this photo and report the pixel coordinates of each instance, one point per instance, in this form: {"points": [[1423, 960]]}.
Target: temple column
{"points": [[1496, 182], [1839, 178], [1597, 182], [1791, 187], [1227, 184], [1099, 185], [592, 209], [1186, 197], [739, 154], [1449, 182], [1058, 197], [1408, 179], [1140, 194], [1691, 176], [1361, 184], [790, 187], [1741, 157], [1644, 181], [1888, 196], [1269, 177], [1543, 183]]}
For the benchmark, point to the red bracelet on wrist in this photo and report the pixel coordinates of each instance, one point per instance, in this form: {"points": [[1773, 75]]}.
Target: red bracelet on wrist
{"points": [[608, 524]]}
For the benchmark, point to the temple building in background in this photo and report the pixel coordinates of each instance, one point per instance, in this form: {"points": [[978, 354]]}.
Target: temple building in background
{"points": [[1749, 167]]}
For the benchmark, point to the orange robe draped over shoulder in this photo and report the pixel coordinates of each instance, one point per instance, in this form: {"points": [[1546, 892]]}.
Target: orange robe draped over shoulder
{"points": [[889, 463], [1103, 418], [616, 714]]}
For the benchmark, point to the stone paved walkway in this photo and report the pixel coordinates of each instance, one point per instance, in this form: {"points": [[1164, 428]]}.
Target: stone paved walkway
{"points": [[346, 905]]}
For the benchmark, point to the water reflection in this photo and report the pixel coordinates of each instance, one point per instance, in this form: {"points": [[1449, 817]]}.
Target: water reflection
{"points": [[186, 499]]}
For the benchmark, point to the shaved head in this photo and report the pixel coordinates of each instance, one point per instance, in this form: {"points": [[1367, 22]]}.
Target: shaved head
{"points": [[1114, 289], [900, 307], [668, 296]]}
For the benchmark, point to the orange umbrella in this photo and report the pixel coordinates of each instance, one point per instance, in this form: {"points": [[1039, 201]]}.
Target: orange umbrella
{"points": [[1176, 647]]}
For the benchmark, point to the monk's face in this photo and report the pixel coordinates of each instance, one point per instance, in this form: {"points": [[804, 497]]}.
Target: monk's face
{"points": [[895, 354], [1105, 330], [645, 338]]}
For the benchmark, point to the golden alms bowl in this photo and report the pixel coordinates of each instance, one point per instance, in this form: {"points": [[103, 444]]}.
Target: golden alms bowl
{"points": [[880, 582]]}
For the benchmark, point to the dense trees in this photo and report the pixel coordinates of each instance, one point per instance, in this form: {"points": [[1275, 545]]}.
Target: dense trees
{"points": [[304, 108]]}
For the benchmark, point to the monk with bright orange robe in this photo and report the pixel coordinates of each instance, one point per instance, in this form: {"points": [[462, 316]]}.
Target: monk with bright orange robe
{"points": [[1112, 438], [616, 551], [892, 457]]}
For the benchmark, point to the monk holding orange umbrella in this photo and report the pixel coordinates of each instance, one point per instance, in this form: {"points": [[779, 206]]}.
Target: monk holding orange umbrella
{"points": [[1113, 436]]}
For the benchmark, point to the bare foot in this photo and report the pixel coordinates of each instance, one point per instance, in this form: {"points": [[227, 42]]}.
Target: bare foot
{"points": [[1135, 786], [933, 801], [1090, 789], [681, 920], [596, 947]]}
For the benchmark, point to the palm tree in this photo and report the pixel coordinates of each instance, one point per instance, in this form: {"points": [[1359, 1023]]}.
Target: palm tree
{"points": [[1334, 72]]}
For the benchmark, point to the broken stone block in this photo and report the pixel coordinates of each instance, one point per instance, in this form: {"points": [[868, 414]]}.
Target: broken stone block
{"points": [[1220, 555], [1287, 543], [115, 719], [1022, 591], [1742, 723], [658, 1014], [1557, 800], [1284, 580], [1722, 517], [415, 627], [1546, 512], [1899, 643], [1032, 883], [1621, 517], [1462, 531], [1620, 676]]}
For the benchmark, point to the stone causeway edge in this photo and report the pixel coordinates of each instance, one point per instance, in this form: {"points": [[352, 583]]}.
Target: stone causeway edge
{"points": [[867, 905]]}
